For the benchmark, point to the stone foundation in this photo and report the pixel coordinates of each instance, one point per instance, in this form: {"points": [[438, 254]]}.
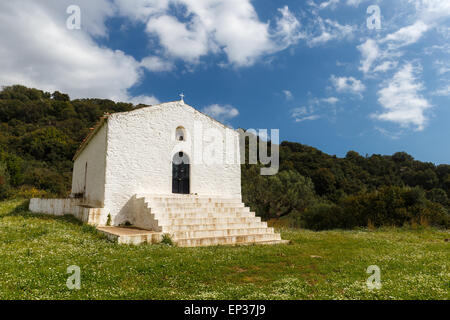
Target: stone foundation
{"points": [[60, 207]]}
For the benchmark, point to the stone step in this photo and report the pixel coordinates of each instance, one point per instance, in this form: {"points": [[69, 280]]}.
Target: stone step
{"points": [[189, 200], [201, 215], [184, 206], [219, 233], [131, 235], [193, 220], [198, 227], [228, 240], [188, 221], [199, 210]]}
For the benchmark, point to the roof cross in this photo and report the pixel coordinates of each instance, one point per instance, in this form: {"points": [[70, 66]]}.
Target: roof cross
{"points": [[182, 96]]}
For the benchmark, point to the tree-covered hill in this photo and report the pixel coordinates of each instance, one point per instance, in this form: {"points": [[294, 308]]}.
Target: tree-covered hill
{"points": [[40, 132]]}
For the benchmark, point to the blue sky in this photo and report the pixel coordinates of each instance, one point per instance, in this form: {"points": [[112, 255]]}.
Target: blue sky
{"points": [[312, 69]]}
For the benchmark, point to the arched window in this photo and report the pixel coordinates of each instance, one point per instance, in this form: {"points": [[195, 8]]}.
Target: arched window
{"points": [[180, 134]]}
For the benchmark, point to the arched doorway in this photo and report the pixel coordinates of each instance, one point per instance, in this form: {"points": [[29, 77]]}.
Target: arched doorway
{"points": [[180, 173]]}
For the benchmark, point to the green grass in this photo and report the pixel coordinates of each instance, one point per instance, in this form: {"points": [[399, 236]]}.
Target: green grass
{"points": [[35, 251]]}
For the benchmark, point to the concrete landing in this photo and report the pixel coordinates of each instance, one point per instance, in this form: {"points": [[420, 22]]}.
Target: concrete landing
{"points": [[131, 235]]}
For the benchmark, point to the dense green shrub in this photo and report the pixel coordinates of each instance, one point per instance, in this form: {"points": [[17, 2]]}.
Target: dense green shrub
{"points": [[438, 195], [388, 206], [321, 216], [4, 181], [278, 195]]}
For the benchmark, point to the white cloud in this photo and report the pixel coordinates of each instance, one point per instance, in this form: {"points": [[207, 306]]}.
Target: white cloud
{"points": [[432, 10], [287, 31], [442, 67], [221, 112], [181, 40], [444, 91], [445, 48], [288, 94], [315, 109], [330, 100], [140, 10], [333, 3], [329, 30], [389, 134], [147, 100], [354, 3], [231, 27], [325, 4], [373, 51], [156, 64], [39, 51], [304, 114], [406, 35], [310, 118], [385, 66], [348, 84], [401, 99], [370, 52]]}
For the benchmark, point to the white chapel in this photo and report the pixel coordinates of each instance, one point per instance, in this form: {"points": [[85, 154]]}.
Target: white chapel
{"points": [[167, 169]]}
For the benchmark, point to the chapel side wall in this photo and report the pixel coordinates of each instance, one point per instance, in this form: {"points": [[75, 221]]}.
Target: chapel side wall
{"points": [[141, 145], [94, 154]]}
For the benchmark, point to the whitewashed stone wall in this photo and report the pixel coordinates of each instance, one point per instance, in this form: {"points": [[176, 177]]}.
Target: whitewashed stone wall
{"points": [[94, 154], [140, 148], [60, 207]]}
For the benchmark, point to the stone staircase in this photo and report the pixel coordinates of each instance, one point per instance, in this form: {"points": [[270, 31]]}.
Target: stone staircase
{"points": [[193, 221]]}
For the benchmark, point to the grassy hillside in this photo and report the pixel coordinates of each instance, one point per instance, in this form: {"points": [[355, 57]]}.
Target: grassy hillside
{"points": [[35, 252]]}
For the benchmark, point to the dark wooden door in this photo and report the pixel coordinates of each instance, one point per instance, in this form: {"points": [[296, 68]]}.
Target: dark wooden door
{"points": [[180, 178]]}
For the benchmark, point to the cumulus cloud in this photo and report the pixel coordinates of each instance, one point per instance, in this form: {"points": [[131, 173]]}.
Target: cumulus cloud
{"points": [[188, 42], [401, 99], [432, 11], [143, 99], [231, 27], [39, 51], [429, 15], [369, 52], [221, 112], [348, 84], [384, 50], [156, 64]]}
